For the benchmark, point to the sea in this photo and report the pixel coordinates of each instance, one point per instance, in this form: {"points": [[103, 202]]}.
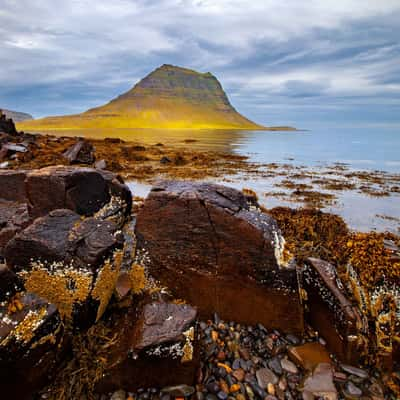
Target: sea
{"points": [[355, 149]]}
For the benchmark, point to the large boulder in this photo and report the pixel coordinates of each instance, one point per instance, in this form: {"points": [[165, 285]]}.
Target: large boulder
{"points": [[7, 125], [83, 190], [32, 342], [209, 247], [156, 346]]}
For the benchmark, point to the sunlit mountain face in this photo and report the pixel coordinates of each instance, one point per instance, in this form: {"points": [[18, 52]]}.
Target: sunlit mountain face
{"points": [[170, 97]]}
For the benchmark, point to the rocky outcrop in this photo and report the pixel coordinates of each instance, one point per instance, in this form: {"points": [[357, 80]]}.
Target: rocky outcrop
{"points": [[83, 190], [207, 245], [331, 312], [17, 116], [7, 125], [82, 152], [157, 346]]}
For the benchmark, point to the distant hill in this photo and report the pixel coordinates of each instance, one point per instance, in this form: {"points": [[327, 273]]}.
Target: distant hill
{"points": [[16, 116], [169, 97]]}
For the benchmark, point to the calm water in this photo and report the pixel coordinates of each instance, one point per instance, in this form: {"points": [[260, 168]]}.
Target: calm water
{"points": [[360, 149]]}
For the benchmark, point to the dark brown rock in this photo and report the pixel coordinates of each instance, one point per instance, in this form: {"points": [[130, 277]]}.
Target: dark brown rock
{"points": [[82, 152], [13, 218], [61, 236], [12, 184], [206, 244], [309, 355], [9, 283], [45, 240], [7, 125], [330, 311], [156, 346], [32, 343]]}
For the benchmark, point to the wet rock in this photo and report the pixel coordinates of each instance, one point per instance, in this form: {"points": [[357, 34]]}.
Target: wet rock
{"points": [[266, 376], [309, 355], [288, 366], [31, 344], [204, 242], [320, 384], [179, 390], [82, 152], [331, 312], [351, 391], [157, 346], [354, 371]]}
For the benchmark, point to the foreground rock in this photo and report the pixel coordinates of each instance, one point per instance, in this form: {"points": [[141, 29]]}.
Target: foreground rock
{"points": [[155, 348], [31, 344], [205, 243], [331, 312], [26, 195]]}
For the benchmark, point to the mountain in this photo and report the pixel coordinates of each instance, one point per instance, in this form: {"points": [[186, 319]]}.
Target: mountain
{"points": [[16, 116], [169, 97]]}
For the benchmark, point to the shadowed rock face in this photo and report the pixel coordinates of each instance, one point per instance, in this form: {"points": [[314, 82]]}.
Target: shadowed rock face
{"points": [[330, 311], [209, 247], [157, 345]]}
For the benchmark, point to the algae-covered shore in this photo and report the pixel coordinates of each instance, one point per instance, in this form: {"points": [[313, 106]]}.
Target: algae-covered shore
{"points": [[197, 291]]}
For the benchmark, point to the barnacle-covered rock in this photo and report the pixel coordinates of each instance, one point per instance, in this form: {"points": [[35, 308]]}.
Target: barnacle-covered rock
{"points": [[210, 247], [156, 346], [331, 312], [70, 262], [32, 342]]}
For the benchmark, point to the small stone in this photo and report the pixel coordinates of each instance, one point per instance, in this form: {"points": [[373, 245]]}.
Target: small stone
{"points": [[354, 371], [282, 384], [211, 396], [260, 392], [234, 388], [239, 374], [293, 339], [213, 387], [224, 386], [320, 383], [240, 396], [119, 395], [351, 391], [222, 395], [288, 366], [265, 376], [271, 389], [244, 353], [275, 365], [179, 390], [339, 376]]}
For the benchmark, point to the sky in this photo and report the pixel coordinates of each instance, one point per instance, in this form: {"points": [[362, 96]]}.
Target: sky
{"points": [[305, 63]]}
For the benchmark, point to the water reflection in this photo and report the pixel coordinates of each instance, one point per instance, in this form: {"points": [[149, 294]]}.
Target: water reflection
{"points": [[221, 140]]}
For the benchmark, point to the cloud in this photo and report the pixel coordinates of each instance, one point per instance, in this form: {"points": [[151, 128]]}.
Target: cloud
{"points": [[62, 57]]}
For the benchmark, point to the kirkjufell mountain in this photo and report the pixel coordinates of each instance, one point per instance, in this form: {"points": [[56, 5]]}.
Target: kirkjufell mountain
{"points": [[169, 97]]}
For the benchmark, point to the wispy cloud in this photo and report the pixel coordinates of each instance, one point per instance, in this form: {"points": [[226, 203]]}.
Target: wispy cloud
{"points": [[62, 57]]}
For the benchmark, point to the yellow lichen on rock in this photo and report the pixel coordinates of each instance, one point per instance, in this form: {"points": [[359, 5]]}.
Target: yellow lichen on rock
{"points": [[62, 286], [106, 281], [138, 278]]}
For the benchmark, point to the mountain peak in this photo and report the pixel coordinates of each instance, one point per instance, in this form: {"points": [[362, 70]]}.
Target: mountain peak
{"points": [[168, 97]]}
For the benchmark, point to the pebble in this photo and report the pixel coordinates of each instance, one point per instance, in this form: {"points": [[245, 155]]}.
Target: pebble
{"points": [[288, 366], [351, 391], [119, 395], [179, 390], [239, 374], [275, 365], [354, 371], [265, 376], [222, 395]]}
